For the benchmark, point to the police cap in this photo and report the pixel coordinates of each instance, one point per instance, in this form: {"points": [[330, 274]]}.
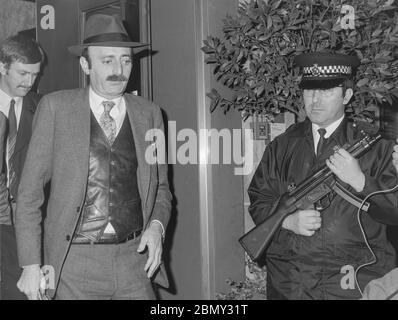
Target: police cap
{"points": [[321, 70]]}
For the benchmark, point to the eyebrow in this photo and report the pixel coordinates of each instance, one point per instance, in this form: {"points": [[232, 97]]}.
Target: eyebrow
{"points": [[113, 56], [27, 71]]}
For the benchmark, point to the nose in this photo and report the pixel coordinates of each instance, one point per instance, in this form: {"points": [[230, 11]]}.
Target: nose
{"points": [[117, 68], [316, 95]]}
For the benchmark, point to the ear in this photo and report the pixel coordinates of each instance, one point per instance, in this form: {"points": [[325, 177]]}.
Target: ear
{"points": [[84, 65], [348, 95], [3, 69]]}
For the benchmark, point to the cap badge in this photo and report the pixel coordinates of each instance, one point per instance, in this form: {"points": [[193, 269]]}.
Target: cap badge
{"points": [[315, 70]]}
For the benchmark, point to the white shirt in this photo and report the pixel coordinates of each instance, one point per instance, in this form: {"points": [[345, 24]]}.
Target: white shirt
{"points": [[5, 101], [118, 113], [329, 130]]}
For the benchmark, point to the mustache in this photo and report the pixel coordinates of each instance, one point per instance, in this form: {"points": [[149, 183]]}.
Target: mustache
{"points": [[115, 77]]}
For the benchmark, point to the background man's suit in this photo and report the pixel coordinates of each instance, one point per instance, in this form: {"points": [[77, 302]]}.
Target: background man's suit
{"points": [[10, 270], [61, 139]]}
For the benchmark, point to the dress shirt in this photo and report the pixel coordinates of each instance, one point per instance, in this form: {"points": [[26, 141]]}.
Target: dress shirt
{"points": [[329, 130], [5, 101]]}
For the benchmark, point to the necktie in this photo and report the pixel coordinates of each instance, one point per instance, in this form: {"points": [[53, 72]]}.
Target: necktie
{"points": [[107, 123], [321, 142], [11, 139]]}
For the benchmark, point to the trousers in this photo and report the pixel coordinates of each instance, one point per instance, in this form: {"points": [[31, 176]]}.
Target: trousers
{"points": [[105, 272], [10, 270]]}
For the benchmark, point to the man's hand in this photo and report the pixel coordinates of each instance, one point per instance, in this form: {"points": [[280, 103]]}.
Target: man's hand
{"points": [[303, 222], [347, 169], [395, 157], [152, 238], [29, 282]]}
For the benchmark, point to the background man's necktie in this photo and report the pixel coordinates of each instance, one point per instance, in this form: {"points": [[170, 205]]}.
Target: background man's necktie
{"points": [[107, 123], [11, 140], [321, 142]]}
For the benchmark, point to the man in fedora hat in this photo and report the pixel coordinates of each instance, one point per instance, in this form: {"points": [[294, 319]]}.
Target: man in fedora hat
{"points": [[107, 204], [316, 252]]}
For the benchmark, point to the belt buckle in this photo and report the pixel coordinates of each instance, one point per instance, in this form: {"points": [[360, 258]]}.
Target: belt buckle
{"points": [[110, 238]]}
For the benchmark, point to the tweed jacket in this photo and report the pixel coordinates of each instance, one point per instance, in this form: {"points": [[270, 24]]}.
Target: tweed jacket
{"points": [[59, 153]]}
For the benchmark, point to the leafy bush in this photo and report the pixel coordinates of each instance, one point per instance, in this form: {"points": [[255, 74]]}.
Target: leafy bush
{"points": [[255, 58], [253, 288]]}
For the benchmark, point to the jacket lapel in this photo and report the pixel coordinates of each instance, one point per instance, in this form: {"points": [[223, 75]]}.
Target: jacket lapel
{"points": [[139, 126], [79, 123], [25, 124]]}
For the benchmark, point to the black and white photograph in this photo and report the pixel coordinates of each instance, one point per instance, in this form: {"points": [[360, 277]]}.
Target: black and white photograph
{"points": [[198, 154]]}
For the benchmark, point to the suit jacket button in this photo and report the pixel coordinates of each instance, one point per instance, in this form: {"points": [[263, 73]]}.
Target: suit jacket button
{"points": [[78, 209], [67, 237]]}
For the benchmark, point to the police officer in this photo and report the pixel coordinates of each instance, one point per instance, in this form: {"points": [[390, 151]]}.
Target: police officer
{"points": [[315, 253]]}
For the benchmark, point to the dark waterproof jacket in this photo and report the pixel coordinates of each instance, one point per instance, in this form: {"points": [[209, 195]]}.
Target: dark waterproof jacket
{"points": [[322, 266]]}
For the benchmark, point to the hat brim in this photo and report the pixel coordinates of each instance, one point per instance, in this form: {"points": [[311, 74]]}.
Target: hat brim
{"points": [[77, 50], [316, 83]]}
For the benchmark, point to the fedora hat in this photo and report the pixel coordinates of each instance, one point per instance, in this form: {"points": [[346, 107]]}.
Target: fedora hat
{"points": [[105, 31]]}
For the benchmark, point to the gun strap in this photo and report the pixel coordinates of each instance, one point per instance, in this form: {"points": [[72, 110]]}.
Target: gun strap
{"points": [[351, 198]]}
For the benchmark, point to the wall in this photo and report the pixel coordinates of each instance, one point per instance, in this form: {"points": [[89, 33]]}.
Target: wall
{"points": [[228, 216], [208, 209], [174, 89], [15, 16]]}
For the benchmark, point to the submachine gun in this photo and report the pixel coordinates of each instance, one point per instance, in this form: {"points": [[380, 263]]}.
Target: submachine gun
{"points": [[304, 196]]}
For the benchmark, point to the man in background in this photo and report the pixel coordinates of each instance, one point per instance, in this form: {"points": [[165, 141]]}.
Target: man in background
{"points": [[20, 63]]}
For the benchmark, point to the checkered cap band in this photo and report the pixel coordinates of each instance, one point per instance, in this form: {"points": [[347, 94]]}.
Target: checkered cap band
{"points": [[325, 71]]}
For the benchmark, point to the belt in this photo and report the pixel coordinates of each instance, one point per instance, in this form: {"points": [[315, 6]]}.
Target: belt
{"points": [[107, 238]]}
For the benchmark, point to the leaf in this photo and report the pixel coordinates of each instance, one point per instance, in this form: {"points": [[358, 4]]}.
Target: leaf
{"points": [[213, 105], [362, 82], [376, 33], [210, 60], [385, 72], [389, 99], [276, 5], [269, 22]]}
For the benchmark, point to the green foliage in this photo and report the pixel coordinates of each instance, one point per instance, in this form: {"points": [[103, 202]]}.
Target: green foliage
{"points": [[254, 287], [255, 57]]}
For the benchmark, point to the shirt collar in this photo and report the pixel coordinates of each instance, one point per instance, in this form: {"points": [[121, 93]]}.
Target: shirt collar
{"points": [[5, 99], [96, 102], [329, 129]]}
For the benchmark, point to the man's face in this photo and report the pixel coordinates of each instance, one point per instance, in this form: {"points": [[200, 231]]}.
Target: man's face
{"points": [[323, 107], [18, 78], [110, 70]]}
